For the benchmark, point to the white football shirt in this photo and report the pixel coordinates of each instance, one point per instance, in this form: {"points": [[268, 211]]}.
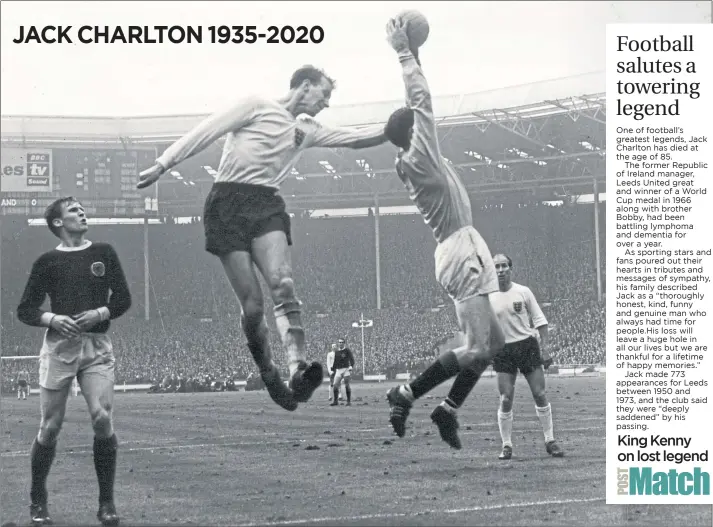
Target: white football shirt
{"points": [[264, 141], [518, 312]]}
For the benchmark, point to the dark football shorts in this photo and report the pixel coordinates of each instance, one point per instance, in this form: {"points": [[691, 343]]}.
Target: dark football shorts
{"points": [[523, 355], [235, 214], [22, 383]]}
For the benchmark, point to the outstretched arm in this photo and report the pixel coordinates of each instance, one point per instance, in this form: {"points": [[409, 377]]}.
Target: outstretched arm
{"points": [[198, 139], [205, 133], [357, 138], [418, 97], [424, 142]]}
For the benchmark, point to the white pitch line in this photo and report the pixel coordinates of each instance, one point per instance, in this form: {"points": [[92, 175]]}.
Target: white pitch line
{"points": [[333, 433], [387, 515], [487, 425], [84, 450]]}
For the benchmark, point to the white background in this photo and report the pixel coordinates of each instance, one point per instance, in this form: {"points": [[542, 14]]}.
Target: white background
{"points": [[695, 118], [473, 46]]}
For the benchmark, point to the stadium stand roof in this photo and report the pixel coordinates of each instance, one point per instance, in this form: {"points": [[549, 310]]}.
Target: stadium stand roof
{"points": [[141, 129], [540, 136]]}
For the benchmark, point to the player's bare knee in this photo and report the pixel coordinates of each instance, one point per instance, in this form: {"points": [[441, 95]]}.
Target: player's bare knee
{"points": [[49, 430], [253, 314], [540, 397], [101, 420], [283, 290], [506, 402], [487, 354], [467, 357]]}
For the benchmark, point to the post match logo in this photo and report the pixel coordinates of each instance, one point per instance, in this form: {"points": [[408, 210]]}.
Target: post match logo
{"points": [[26, 170], [644, 481]]}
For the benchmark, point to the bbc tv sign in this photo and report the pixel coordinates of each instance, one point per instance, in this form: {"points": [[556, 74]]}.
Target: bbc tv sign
{"points": [[26, 170]]}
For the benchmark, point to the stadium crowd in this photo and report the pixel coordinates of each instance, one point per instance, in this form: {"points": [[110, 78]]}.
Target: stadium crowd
{"points": [[193, 332]]}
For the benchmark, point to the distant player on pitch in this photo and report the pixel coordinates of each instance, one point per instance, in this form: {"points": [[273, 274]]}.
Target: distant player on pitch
{"points": [[23, 384], [330, 363], [246, 224], [342, 369], [87, 288], [464, 265]]}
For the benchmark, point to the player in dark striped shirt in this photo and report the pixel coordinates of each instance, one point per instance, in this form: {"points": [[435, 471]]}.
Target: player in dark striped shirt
{"points": [[87, 288], [342, 369], [23, 384]]}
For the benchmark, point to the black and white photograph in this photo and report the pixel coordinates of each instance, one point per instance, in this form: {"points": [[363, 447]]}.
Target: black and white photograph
{"points": [[271, 263]]}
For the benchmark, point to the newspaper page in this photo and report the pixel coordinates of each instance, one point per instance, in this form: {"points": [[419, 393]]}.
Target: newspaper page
{"points": [[323, 211], [659, 262]]}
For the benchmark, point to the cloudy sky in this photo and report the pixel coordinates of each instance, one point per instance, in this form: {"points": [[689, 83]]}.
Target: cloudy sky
{"points": [[473, 46]]}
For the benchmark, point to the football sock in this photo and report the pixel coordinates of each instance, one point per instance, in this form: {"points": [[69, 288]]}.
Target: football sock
{"points": [[544, 414], [41, 461], [257, 334], [105, 466], [505, 425], [464, 382], [405, 390], [288, 320], [445, 367]]}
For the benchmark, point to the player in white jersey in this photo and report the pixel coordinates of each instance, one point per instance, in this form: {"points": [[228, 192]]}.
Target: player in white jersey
{"points": [[464, 265], [330, 363], [245, 221], [522, 320]]}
